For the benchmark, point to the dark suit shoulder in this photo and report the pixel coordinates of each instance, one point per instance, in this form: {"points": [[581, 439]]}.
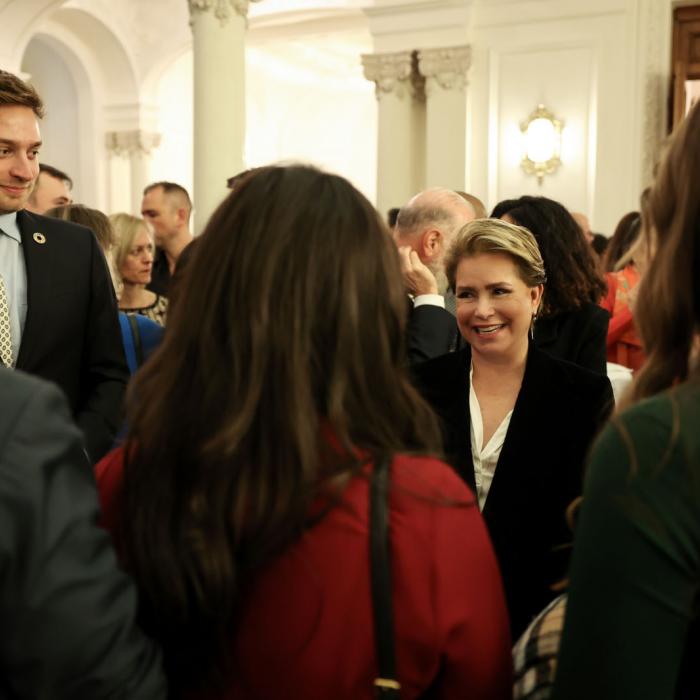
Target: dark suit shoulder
{"points": [[17, 390], [569, 380], [442, 369], [30, 223]]}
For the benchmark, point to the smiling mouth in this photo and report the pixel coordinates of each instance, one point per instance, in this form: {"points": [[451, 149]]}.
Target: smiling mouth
{"points": [[486, 330]]}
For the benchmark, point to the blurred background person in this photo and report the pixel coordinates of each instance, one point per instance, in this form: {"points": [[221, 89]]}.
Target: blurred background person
{"points": [[167, 208], [517, 421], [627, 253], [140, 335], [242, 508], [133, 264], [67, 610], [585, 226], [476, 204], [632, 627], [625, 234], [52, 189], [570, 324]]}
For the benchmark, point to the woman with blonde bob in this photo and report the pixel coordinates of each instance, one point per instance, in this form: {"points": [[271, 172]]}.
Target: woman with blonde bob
{"points": [[632, 626], [132, 257], [517, 422], [242, 508]]}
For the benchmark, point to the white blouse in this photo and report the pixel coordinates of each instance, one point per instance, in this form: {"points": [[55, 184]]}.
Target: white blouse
{"points": [[484, 457]]}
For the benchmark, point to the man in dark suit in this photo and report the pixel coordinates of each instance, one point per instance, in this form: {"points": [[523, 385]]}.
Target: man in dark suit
{"points": [[167, 208], [425, 227], [67, 610], [58, 313]]}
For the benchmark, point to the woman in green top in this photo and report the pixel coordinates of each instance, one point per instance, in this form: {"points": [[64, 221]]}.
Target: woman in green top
{"points": [[632, 625]]}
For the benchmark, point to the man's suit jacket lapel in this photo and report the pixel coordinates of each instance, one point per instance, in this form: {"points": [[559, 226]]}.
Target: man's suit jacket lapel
{"points": [[513, 479], [37, 259]]}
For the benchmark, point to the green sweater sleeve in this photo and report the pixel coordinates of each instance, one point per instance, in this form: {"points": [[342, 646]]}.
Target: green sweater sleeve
{"points": [[636, 561]]}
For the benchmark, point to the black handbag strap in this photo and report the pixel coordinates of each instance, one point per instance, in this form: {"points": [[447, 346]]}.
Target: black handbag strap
{"points": [[386, 685], [136, 335]]}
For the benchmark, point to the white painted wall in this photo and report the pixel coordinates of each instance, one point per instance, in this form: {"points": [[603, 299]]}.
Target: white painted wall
{"points": [[601, 65], [580, 61], [306, 101], [173, 159]]}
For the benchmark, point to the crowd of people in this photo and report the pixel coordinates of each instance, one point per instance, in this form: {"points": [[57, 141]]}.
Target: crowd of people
{"points": [[215, 442]]}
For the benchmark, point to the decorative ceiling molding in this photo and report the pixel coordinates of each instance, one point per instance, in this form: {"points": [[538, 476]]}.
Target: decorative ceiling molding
{"points": [[128, 143], [223, 9], [392, 73], [445, 68]]}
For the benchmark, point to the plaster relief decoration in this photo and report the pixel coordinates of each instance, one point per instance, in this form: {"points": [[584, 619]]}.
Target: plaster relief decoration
{"points": [[541, 143], [128, 143], [223, 9], [445, 68], [394, 74]]}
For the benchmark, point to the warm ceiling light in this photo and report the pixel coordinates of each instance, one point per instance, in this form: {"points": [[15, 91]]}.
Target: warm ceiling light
{"points": [[541, 140]]}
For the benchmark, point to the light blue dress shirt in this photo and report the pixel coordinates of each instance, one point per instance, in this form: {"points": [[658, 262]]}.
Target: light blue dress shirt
{"points": [[14, 273]]}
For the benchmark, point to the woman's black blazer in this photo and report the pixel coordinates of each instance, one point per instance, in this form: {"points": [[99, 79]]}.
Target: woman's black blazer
{"points": [[558, 412]]}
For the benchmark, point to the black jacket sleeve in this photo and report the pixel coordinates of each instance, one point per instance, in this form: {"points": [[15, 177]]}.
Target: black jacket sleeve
{"points": [[104, 368], [431, 332]]}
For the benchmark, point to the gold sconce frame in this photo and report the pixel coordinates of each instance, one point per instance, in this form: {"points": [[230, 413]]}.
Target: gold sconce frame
{"points": [[541, 125]]}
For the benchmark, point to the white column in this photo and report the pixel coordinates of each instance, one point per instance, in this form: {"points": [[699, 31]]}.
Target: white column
{"points": [[445, 73], [218, 29], [401, 118], [136, 146]]}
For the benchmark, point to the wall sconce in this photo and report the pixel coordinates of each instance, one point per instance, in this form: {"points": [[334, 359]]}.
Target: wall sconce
{"points": [[541, 139]]}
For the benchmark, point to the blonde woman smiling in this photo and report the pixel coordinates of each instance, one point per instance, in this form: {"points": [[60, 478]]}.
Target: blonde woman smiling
{"points": [[517, 421]]}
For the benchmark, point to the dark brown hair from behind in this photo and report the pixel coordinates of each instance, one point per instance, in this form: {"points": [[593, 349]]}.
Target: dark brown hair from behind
{"points": [[14, 92], [291, 376], [85, 216], [573, 278], [667, 312], [625, 234]]}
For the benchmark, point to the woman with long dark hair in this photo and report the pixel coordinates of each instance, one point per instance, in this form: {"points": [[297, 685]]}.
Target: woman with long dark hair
{"points": [[240, 500], [632, 625], [570, 324]]}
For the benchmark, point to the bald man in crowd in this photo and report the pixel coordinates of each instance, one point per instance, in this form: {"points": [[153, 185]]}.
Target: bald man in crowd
{"points": [[52, 189], [167, 208], [584, 225], [425, 227]]}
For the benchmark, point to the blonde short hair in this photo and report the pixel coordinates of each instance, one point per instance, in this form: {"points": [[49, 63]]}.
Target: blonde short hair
{"points": [[494, 236], [126, 227]]}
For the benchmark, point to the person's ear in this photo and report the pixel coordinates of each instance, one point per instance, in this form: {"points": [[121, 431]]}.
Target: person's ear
{"points": [[432, 242], [181, 214], [536, 297]]}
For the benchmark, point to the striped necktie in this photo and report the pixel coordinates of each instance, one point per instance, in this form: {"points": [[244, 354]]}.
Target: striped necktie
{"points": [[5, 333]]}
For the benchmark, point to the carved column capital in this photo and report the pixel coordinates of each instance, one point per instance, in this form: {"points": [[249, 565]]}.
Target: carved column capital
{"points": [[223, 9], [445, 68], [128, 143], [393, 73]]}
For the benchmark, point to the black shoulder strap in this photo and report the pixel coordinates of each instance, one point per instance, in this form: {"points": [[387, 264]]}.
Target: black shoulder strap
{"points": [[136, 335], [386, 685]]}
